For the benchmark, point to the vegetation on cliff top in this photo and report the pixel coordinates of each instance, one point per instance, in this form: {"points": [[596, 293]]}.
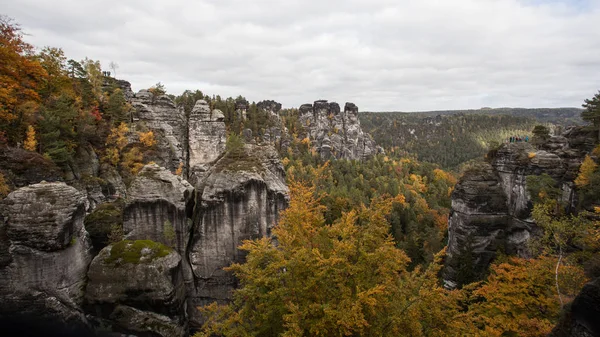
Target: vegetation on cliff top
{"points": [[136, 252]]}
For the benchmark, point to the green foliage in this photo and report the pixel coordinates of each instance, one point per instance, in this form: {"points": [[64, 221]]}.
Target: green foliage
{"points": [[542, 188], [234, 146], [101, 223], [332, 280], [591, 113], [135, 252], [448, 140], [117, 110], [540, 134]]}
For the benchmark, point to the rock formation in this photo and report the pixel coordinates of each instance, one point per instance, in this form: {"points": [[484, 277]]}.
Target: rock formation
{"points": [[581, 319], [206, 138], [168, 123], [44, 256], [335, 133], [137, 287], [491, 206], [240, 199]]}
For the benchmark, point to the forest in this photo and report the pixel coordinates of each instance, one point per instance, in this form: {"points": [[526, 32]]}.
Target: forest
{"points": [[360, 249]]}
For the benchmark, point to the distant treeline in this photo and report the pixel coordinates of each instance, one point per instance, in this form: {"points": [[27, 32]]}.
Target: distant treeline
{"points": [[447, 140]]}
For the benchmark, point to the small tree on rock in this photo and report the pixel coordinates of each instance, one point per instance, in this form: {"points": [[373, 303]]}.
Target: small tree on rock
{"points": [[592, 111]]}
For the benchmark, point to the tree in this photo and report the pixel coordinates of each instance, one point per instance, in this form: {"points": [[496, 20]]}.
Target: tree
{"points": [[343, 279], [93, 73], [21, 75], [117, 109], [30, 143], [113, 66], [4, 188], [234, 146], [147, 138], [592, 111], [157, 90], [587, 169], [540, 134]]}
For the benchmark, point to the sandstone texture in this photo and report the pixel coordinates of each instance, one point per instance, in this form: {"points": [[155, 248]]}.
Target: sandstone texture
{"points": [[44, 255], [207, 138], [581, 320], [491, 208], [138, 286], [335, 133]]}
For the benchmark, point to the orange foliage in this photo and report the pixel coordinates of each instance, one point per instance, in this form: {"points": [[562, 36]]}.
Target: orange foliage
{"points": [[20, 73], [147, 138]]}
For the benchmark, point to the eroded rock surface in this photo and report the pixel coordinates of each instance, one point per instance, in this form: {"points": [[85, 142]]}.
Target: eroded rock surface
{"points": [[581, 319], [137, 286], [44, 255], [335, 133], [491, 208], [240, 199], [160, 115], [207, 138]]}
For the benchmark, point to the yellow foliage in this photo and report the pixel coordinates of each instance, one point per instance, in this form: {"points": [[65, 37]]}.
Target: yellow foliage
{"points": [[4, 189], [306, 141], [118, 136], [285, 161], [147, 138], [531, 155], [597, 209], [596, 151], [585, 171], [132, 160], [30, 143], [179, 170]]}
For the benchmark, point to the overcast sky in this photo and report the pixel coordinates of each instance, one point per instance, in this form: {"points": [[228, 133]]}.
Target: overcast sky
{"points": [[383, 55]]}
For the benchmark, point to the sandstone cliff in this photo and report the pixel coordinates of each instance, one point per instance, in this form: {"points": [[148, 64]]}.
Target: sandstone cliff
{"points": [[44, 256], [491, 206], [335, 133]]}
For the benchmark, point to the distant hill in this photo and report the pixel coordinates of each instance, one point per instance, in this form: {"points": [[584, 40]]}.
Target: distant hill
{"points": [[452, 137], [559, 116]]}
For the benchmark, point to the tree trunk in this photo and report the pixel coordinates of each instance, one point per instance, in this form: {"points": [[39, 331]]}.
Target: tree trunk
{"points": [[556, 277]]}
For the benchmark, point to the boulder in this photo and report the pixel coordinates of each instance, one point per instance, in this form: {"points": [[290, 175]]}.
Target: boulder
{"points": [[581, 319], [138, 286], [44, 255]]}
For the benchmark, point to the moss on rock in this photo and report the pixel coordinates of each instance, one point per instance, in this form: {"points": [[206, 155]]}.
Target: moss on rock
{"points": [[101, 221], [135, 252]]}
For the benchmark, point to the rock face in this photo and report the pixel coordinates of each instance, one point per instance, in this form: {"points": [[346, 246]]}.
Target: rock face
{"points": [[491, 206], [335, 133], [168, 123], [22, 168], [159, 208], [582, 318], [240, 199], [137, 287], [206, 138], [44, 255]]}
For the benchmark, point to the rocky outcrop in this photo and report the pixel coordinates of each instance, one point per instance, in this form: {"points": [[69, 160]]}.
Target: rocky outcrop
{"points": [[160, 115], [240, 199], [581, 319], [206, 139], [44, 255], [335, 133], [21, 168], [491, 207], [137, 287], [159, 208]]}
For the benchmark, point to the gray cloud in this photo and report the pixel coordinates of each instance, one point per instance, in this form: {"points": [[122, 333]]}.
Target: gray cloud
{"points": [[380, 54]]}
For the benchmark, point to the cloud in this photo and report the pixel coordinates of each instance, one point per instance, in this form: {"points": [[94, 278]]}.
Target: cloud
{"points": [[380, 54]]}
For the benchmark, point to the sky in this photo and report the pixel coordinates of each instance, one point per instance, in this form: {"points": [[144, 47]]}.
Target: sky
{"points": [[383, 55]]}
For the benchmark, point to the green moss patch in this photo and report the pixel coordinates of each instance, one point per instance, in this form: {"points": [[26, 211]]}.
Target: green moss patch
{"points": [[100, 222], [135, 252]]}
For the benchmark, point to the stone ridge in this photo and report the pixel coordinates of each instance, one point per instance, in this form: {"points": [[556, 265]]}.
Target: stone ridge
{"points": [[336, 134], [491, 208]]}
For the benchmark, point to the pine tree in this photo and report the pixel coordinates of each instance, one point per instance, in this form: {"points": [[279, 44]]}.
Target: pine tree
{"points": [[592, 111]]}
